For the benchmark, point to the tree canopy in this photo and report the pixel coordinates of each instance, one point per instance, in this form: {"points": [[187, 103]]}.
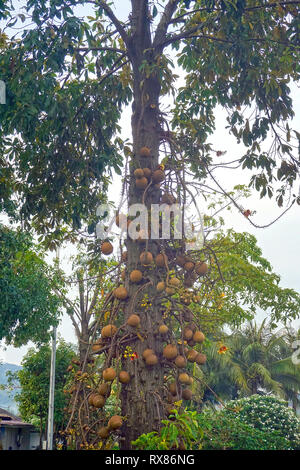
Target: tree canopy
{"points": [[28, 303]]}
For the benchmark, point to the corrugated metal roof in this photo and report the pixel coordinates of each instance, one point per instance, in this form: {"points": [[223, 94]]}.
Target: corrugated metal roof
{"points": [[8, 419]]}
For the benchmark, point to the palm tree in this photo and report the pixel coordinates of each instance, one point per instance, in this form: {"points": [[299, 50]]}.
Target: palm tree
{"points": [[258, 360]]}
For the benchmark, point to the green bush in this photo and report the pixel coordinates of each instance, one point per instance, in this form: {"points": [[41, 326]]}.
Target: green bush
{"points": [[210, 430], [268, 414]]}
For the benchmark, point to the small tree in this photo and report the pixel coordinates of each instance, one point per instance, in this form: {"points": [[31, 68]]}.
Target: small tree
{"points": [[34, 379]]}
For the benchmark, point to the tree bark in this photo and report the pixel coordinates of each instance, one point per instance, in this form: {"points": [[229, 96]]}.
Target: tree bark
{"points": [[141, 398]]}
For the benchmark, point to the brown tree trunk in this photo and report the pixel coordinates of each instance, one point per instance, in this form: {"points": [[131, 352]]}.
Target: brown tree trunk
{"points": [[141, 399]]}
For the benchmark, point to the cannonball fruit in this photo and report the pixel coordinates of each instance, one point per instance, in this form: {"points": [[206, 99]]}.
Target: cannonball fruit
{"points": [[139, 173], [141, 183], [180, 362], [147, 352], [134, 320], [200, 359], [103, 432], [198, 337], [189, 266], [161, 260], [147, 172], [121, 293], [187, 394], [115, 422], [107, 248], [187, 334], [98, 401], [184, 378], [109, 374], [104, 389], [145, 152], [163, 329], [158, 176], [124, 377], [201, 268], [136, 276], [151, 359], [170, 351], [174, 282], [160, 287], [108, 331], [173, 388], [146, 258]]}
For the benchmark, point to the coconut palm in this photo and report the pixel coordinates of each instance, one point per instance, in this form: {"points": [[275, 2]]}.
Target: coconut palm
{"points": [[258, 360]]}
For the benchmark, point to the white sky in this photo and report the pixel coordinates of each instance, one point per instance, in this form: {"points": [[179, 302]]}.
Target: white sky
{"points": [[279, 243]]}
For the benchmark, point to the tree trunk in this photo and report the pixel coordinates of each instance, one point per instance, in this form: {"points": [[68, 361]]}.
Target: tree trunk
{"points": [[141, 399]]}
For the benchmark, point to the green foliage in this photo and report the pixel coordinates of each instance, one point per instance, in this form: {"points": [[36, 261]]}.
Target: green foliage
{"points": [[222, 432], [256, 358], [180, 431], [268, 414], [33, 380], [210, 430], [28, 303]]}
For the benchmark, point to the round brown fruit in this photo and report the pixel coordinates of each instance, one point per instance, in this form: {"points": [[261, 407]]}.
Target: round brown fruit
{"points": [[134, 320], [187, 394], [91, 398], [173, 388], [158, 176], [180, 260], [108, 331], [141, 183], [109, 374], [124, 256], [180, 362], [168, 198], [115, 422], [146, 258], [151, 359], [121, 293], [103, 432], [147, 352], [191, 355], [201, 359], [145, 152], [187, 334], [183, 378], [189, 266], [170, 290], [121, 221], [160, 287], [147, 172], [139, 173], [161, 260], [96, 348], [163, 329], [175, 282], [98, 401], [124, 377], [107, 248], [136, 276], [170, 351], [104, 389], [198, 337], [201, 268]]}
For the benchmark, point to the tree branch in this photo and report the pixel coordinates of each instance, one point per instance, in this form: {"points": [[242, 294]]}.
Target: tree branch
{"points": [[164, 23]]}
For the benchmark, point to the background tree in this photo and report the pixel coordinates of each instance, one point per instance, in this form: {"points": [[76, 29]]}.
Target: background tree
{"points": [[33, 383], [29, 305], [69, 78], [253, 359]]}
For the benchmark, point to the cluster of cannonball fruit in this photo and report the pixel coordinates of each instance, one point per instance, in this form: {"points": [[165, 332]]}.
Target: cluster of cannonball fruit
{"points": [[176, 355]]}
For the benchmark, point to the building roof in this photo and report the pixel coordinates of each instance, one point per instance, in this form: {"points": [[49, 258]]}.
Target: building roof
{"points": [[8, 419]]}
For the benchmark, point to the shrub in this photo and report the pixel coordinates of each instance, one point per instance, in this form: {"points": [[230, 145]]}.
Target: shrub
{"points": [[266, 413], [210, 430]]}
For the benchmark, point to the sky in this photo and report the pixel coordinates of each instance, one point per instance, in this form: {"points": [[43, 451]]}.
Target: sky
{"points": [[279, 243]]}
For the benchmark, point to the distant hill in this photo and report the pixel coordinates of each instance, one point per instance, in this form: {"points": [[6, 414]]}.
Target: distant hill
{"points": [[6, 401]]}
